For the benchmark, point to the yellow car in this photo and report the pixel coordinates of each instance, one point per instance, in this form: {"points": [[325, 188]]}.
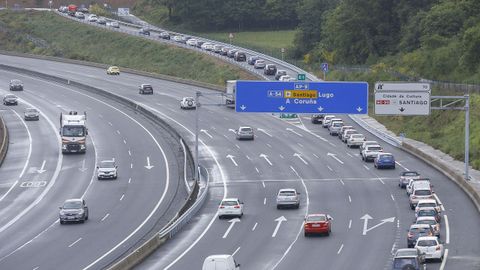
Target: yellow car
{"points": [[113, 70]]}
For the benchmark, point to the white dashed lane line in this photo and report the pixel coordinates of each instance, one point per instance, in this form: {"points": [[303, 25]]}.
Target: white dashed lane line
{"points": [[72, 244], [340, 249], [254, 226], [105, 217]]}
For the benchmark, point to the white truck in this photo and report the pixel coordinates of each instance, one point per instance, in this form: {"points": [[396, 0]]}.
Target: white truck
{"points": [[230, 93], [73, 130]]}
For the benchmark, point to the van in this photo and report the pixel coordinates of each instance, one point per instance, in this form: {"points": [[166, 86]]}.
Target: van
{"points": [[220, 262]]}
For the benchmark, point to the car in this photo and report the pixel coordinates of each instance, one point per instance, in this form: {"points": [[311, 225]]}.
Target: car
{"points": [[405, 176], [188, 103], [83, 10], [288, 197], [417, 230], [79, 15], [370, 152], [418, 194], [417, 183], [270, 69], [431, 247], [10, 99], [340, 134], [285, 78], [107, 169], [144, 31], [428, 203], [191, 42], [114, 24], [92, 18], [428, 212], [244, 133], [225, 51], [326, 120], [16, 85], [434, 224], [317, 224], [31, 114], [335, 127], [240, 56], [178, 39], [408, 258], [259, 64], [384, 160], [145, 89], [220, 262], [366, 143], [113, 70], [217, 48], [347, 133], [207, 46], [73, 210], [102, 21], [355, 140], [199, 43], [280, 73], [336, 119], [230, 207], [164, 35], [252, 59], [317, 118]]}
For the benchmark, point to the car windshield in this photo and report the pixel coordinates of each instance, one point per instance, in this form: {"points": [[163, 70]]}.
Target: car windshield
{"points": [[317, 218], [374, 148], [107, 164], [398, 263], [71, 131], [423, 213], [410, 174], [72, 205], [31, 110], [337, 124], [10, 96], [417, 230], [246, 129], [147, 87], [427, 243], [423, 192], [287, 193], [357, 136], [16, 82], [407, 252], [427, 221], [386, 157], [229, 203]]}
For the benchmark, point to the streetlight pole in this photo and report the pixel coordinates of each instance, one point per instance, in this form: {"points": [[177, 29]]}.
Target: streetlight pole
{"points": [[467, 135]]}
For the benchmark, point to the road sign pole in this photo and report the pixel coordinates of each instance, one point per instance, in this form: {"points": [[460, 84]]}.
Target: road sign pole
{"points": [[324, 75], [467, 136], [197, 116]]}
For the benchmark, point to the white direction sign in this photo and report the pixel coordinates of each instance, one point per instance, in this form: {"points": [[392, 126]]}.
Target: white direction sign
{"points": [[402, 98]]}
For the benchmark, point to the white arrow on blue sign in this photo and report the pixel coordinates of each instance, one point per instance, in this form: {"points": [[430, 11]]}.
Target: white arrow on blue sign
{"points": [[302, 97], [325, 67]]}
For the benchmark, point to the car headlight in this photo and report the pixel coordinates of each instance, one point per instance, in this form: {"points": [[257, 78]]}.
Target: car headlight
{"points": [[82, 146], [64, 146]]}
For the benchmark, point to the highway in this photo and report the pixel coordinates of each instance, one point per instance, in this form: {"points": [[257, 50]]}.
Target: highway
{"points": [[288, 153], [36, 178]]}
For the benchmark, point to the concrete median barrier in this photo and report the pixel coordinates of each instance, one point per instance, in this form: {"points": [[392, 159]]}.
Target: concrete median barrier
{"points": [[4, 140]]}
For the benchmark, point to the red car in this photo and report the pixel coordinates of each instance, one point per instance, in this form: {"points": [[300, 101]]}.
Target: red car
{"points": [[317, 223]]}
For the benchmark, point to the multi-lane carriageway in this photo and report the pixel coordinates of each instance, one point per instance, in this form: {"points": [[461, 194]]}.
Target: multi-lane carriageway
{"points": [[331, 177]]}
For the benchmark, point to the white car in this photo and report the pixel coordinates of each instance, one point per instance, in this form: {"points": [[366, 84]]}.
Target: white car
{"points": [[355, 140], [207, 46], [92, 18], [178, 39], [347, 133], [370, 152], [79, 15], [365, 143], [107, 169], [432, 248], [417, 183], [284, 78], [420, 194], [334, 127], [428, 203], [113, 24], [259, 64], [230, 207], [327, 119], [192, 42], [288, 197], [188, 103], [220, 262], [340, 133]]}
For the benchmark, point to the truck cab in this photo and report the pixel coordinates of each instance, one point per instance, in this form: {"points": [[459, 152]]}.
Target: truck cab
{"points": [[73, 132], [230, 93], [220, 262]]}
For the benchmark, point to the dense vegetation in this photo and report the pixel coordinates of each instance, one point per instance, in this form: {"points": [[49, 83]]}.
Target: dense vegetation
{"points": [[47, 34]]}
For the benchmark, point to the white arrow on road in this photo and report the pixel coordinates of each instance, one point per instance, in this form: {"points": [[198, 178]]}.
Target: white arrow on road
{"points": [[243, 107], [366, 217], [231, 130], [233, 160], [148, 164], [83, 168], [263, 130], [279, 222], [300, 157], [232, 223], [266, 158], [281, 108], [291, 130], [42, 169], [206, 133], [335, 157]]}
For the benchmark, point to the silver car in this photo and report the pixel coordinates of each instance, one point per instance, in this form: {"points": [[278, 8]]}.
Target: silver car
{"points": [[355, 140], [288, 197], [347, 133], [334, 127], [31, 114], [73, 210], [245, 133], [107, 169]]}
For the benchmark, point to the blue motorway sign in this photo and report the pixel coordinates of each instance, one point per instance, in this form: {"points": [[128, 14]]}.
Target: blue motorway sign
{"points": [[302, 97], [325, 67]]}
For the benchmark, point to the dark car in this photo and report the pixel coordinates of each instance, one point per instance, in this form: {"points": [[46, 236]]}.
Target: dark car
{"points": [[144, 31], [280, 73], [270, 69], [240, 57], [73, 210], [252, 59], [417, 230], [231, 53], [317, 118], [16, 85], [224, 50], [199, 43], [164, 35], [10, 99], [145, 89], [408, 258]]}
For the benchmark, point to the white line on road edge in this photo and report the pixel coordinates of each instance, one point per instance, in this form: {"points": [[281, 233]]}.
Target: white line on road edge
{"points": [[301, 226], [71, 245], [439, 202], [447, 230], [254, 226], [350, 224], [235, 252], [105, 217], [185, 165], [445, 255], [340, 249]]}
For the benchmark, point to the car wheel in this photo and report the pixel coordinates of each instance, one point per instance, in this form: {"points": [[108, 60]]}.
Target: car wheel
{"points": [[306, 234], [278, 207], [441, 258], [86, 217], [412, 206], [62, 222], [297, 206], [82, 221], [220, 217]]}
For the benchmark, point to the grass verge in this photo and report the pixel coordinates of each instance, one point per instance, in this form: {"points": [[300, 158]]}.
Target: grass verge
{"points": [[45, 33]]}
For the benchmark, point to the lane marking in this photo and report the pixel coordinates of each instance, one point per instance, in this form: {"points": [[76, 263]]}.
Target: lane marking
{"points": [[235, 252], [118, 132], [349, 155], [254, 226], [263, 184], [257, 170], [445, 255], [237, 146], [341, 181], [129, 180], [105, 217], [447, 230], [380, 179], [78, 240], [340, 249], [121, 198], [350, 224], [232, 223], [439, 202], [110, 123], [264, 201], [399, 164], [366, 167], [248, 157], [269, 145], [299, 144], [124, 141], [281, 156], [349, 198], [391, 195], [315, 155], [131, 165], [129, 153], [329, 168]]}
